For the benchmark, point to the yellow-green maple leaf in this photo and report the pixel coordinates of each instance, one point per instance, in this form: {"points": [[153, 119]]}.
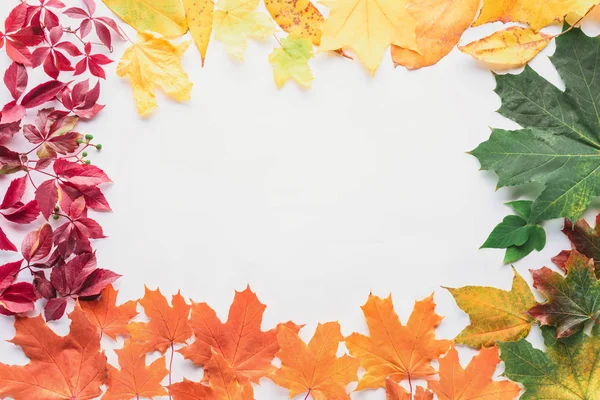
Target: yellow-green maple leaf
{"points": [[291, 61], [155, 61], [236, 20], [496, 314], [166, 17]]}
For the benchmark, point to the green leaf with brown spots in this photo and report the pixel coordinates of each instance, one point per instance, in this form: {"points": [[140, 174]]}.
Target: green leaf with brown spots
{"points": [[496, 314]]}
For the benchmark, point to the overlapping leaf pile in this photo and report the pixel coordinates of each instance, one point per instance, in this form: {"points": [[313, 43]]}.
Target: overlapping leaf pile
{"points": [[418, 33]]}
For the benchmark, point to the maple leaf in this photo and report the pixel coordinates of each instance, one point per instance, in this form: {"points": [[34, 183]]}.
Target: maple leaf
{"points": [[167, 325], [559, 143], [495, 314], [60, 367], [368, 27], [394, 391], [291, 61], [475, 381], [395, 350], [572, 300], [509, 48], [531, 12], [104, 313], [240, 340], [440, 24], [223, 385], [584, 239], [236, 20], [314, 368], [135, 379], [298, 18], [568, 370], [200, 14], [155, 61], [166, 17]]}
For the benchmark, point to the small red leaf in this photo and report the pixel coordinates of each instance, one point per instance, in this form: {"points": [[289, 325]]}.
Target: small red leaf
{"points": [[12, 112], [24, 214], [47, 197], [6, 244], [8, 274], [42, 93], [37, 244], [15, 79], [55, 308], [18, 298], [14, 193], [97, 281]]}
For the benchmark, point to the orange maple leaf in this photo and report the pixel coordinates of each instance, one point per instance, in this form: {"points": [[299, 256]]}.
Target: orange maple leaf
{"points": [[392, 349], [167, 325], [60, 368], [315, 368], [396, 392], [475, 381], [111, 319], [135, 379], [240, 340]]}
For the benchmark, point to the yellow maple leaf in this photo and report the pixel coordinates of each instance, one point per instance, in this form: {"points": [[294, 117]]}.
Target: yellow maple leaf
{"points": [[535, 13], [297, 17], [510, 48], [291, 61], [368, 27], [155, 61], [440, 24], [236, 21], [199, 14], [166, 17]]}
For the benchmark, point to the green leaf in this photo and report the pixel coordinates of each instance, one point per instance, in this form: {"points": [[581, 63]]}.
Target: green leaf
{"points": [[291, 61], [572, 300], [512, 231], [568, 370], [560, 140], [521, 207], [536, 241]]}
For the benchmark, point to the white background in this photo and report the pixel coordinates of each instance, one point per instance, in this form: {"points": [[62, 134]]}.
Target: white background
{"points": [[313, 197]]}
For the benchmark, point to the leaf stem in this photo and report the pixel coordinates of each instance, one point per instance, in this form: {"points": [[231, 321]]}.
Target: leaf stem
{"points": [[410, 386], [307, 394], [171, 368]]}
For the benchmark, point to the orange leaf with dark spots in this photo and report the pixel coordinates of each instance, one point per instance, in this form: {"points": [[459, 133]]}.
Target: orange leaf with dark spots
{"points": [[111, 319], [68, 367], [167, 326]]}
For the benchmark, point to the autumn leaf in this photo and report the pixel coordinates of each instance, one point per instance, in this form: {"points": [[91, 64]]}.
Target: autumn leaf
{"points": [[584, 239], [558, 145], [155, 61], [199, 14], [104, 313], [394, 391], [567, 370], [236, 21], [240, 340], [291, 61], [315, 368], [135, 379], [509, 48], [572, 300], [495, 314], [60, 367], [223, 380], [531, 12], [440, 24], [395, 350], [165, 17], [298, 18], [368, 27], [168, 324]]}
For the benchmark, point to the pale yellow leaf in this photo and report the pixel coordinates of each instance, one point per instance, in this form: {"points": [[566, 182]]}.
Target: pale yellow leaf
{"points": [[166, 17]]}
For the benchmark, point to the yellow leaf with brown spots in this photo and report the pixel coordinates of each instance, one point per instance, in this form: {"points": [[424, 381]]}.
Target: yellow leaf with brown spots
{"points": [[299, 18], [199, 15]]}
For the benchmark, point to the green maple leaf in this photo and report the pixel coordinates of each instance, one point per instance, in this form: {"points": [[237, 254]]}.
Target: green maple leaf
{"points": [[568, 370], [560, 140], [572, 300]]}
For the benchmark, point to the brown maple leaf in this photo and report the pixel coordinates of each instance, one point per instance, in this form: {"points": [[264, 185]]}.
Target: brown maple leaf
{"points": [[315, 368], [68, 367], [135, 379], [167, 325], [394, 391], [111, 319], [240, 340], [392, 349], [473, 382]]}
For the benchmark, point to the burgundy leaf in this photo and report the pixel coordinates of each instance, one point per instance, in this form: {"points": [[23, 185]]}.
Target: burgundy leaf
{"points": [[55, 308], [18, 298], [6, 244], [80, 174], [8, 274], [15, 79], [42, 285], [42, 93], [70, 240], [96, 281], [14, 193], [10, 162], [37, 244], [47, 197], [7, 131], [92, 229], [24, 214]]}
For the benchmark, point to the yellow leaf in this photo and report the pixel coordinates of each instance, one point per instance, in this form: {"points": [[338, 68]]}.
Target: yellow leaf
{"points": [[236, 21], [291, 61], [509, 48], [297, 17], [155, 61], [368, 27], [496, 314], [440, 24], [535, 13], [199, 14], [166, 17]]}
